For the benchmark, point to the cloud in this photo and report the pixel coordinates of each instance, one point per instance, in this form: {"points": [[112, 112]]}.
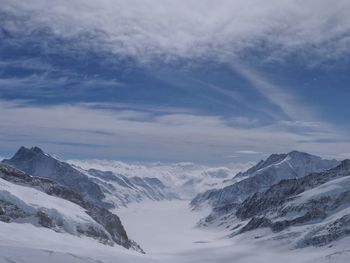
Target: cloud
{"points": [[345, 155], [190, 28], [74, 130], [276, 95], [231, 156], [248, 152], [297, 117]]}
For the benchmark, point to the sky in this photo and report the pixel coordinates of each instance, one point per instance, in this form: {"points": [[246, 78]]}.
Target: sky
{"points": [[225, 81]]}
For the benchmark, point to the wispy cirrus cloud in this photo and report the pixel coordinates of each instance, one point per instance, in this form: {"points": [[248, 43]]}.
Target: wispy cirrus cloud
{"points": [[278, 96], [297, 117]]}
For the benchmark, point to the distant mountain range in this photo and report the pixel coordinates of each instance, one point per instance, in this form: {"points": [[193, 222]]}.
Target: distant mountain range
{"points": [[184, 179]]}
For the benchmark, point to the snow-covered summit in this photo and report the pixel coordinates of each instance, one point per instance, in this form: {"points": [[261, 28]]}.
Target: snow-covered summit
{"points": [[35, 162]]}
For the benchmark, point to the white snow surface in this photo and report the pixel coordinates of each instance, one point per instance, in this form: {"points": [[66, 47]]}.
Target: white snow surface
{"points": [[168, 227], [26, 243], [166, 231]]}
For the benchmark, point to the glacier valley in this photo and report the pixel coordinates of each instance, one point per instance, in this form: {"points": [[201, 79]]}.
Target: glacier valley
{"points": [[288, 208]]}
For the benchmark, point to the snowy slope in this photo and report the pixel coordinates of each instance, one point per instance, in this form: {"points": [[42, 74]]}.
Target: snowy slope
{"points": [[43, 203], [263, 175], [330, 189], [121, 190], [26, 243], [35, 162], [180, 243], [32, 201], [171, 238]]}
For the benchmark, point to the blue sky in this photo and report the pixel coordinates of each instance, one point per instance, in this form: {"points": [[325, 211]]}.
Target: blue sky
{"points": [[201, 81]]}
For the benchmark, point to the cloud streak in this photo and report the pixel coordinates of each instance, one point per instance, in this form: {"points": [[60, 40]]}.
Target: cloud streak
{"points": [[276, 95]]}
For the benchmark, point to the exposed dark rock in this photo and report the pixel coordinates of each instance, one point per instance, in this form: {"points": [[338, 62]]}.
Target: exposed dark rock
{"points": [[256, 222], [45, 220], [332, 232], [10, 212], [306, 218]]}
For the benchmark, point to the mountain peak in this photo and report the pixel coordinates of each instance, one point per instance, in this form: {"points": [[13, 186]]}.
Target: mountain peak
{"points": [[25, 153], [25, 150], [22, 150], [277, 157], [273, 158], [299, 154], [36, 163], [37, 150]]}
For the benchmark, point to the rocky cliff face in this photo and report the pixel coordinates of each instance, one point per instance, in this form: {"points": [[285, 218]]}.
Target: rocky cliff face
{"points": [[98, 222], [263, 175]]}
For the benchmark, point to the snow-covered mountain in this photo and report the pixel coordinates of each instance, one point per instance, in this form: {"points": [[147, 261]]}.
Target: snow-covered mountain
{"points": [[43, 203], [310, 211], [36, 163], [185, 179], [121, 190], [103, 188], [261, 176]]}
